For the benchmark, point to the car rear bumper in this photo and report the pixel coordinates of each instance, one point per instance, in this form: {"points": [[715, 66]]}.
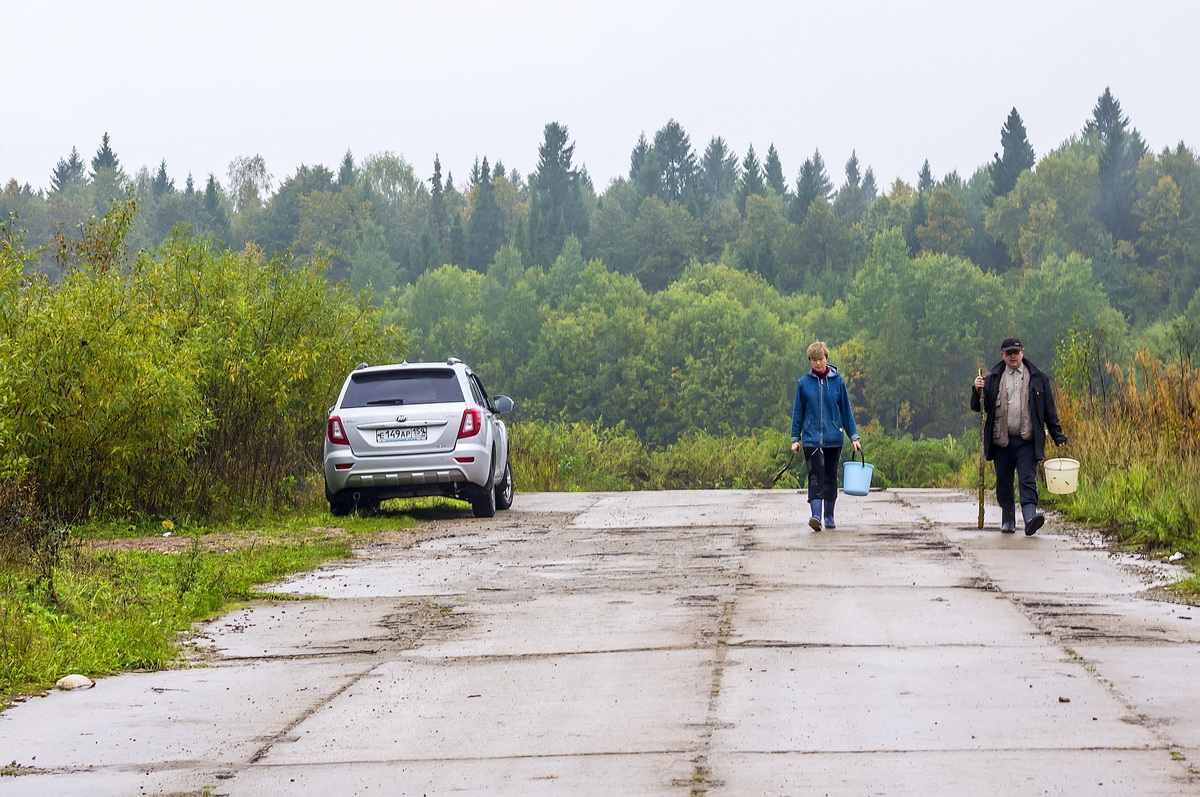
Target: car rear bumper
{"points": [[417, 474]]}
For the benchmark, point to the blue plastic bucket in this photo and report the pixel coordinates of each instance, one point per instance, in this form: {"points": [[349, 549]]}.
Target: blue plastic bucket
{"points": [[856, 476]]}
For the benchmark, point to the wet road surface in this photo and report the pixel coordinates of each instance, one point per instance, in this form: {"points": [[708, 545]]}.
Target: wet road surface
{"points": [[675, 643]]}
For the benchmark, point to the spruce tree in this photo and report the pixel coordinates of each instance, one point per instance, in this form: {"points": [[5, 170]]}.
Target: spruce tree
{"points": [[718, 176], [849, 204], [104, 158], [773, 172], [214, 212], [925, 178], [345, 178], [637, 158], [853, 173], [1017, 155], [485, 229], [439, 220], [811, 184], [649, 175], [870, 190], [676, 163], [67, 172], [1123, 148], [1106, 116], [162, 185], [752, 179], [556, 208]]}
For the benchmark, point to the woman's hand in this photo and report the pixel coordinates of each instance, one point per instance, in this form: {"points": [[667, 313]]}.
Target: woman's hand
{"points": [[796, 447], [857, 445]]}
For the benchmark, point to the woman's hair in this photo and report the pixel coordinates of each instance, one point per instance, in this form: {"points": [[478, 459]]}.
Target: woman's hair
{"points": [[818, 350]]}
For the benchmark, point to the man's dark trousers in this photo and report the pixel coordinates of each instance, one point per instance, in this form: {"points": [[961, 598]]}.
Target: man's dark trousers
{"points": [[1020, 457]]}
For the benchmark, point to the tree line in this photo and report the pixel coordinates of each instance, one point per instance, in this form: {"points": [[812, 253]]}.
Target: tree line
{"points": [[682, 294]]}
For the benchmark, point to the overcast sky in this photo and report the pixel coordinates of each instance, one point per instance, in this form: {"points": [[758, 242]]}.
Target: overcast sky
{"points": [[198, 84]]}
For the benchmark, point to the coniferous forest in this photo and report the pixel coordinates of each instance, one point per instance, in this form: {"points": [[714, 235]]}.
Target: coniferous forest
{"points": [[679, 299]]}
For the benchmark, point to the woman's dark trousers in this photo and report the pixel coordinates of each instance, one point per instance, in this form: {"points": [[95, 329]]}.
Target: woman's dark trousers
{"points": [[822, 476]]}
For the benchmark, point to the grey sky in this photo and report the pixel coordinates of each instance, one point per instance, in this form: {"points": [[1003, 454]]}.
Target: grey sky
{"points": [[302, 81]]}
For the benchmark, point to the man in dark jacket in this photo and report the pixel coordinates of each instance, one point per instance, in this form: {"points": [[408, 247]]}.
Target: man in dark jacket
{"points": [[1019, 405]]}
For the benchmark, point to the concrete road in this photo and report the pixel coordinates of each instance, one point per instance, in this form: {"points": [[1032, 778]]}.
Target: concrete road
{"points": [[679, 643]]}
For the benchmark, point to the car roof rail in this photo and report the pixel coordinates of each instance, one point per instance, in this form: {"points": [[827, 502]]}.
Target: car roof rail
{"points": [[361, 366], [453, 361]]}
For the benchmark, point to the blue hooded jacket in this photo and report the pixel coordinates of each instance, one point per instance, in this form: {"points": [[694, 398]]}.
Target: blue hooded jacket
{"points": [[821, 415]]}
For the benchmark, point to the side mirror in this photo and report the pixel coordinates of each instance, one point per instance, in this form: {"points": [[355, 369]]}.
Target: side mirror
{"points": [[502, 404]]}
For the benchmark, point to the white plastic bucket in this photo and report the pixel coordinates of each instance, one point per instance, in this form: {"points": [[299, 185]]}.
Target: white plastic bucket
{"points": [[856, 477], [1062, 475]]}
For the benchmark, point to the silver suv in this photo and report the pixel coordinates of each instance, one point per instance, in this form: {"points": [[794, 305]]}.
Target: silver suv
{"points": [[414, 429]]}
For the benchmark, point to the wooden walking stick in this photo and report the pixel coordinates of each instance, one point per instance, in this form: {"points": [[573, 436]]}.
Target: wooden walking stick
{"points": [[982, 435]]}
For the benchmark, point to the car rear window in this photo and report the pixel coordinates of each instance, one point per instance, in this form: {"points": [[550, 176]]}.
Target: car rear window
{"points": [[383, 388]]}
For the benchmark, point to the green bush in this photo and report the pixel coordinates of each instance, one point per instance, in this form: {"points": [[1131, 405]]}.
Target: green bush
{"points": [[555, 456], [188, 380], [701, 461], [905, 462]]}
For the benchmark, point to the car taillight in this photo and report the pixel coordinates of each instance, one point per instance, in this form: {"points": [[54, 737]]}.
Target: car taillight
{"points": [[336, 432], [470, 424]]}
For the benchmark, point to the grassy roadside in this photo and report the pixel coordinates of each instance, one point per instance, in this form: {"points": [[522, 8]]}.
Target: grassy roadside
{"points": [[107, 598]]}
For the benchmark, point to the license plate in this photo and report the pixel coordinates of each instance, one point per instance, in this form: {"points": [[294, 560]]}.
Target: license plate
{"points": [[400, 435]]}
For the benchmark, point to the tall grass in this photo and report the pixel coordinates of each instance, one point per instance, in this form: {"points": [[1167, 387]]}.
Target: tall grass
{"points": [[1138, 442]]}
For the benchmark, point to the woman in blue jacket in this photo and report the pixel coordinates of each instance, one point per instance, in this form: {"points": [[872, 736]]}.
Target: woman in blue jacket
{"points": [[821, 419]]}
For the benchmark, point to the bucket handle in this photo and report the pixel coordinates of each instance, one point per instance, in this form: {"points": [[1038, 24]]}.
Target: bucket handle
{"points": [[859, 452]]}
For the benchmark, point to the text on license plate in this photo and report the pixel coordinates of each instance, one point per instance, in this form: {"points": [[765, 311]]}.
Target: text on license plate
{"points": [[398, 435]]}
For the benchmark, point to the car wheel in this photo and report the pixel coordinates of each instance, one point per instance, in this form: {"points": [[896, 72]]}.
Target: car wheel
{"points": [[504, 490], [483, 502], [340, 507]]}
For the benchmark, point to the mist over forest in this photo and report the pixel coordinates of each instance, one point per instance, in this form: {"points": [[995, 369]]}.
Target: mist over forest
{"points": [[681, 296]]}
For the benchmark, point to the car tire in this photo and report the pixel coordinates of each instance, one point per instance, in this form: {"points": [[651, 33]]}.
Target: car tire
{"points": [[504, 490], [483, 502], [340, 507]]}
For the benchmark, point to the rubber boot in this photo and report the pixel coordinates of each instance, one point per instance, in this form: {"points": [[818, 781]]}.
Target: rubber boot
{"points": [[1033, 519], [1008, 519], [814, 522], [829, 524]]}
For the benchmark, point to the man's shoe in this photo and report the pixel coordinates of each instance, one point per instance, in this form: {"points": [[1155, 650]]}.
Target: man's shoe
{"points": [[814, 523], [1033, 519], [1008, 519]]}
